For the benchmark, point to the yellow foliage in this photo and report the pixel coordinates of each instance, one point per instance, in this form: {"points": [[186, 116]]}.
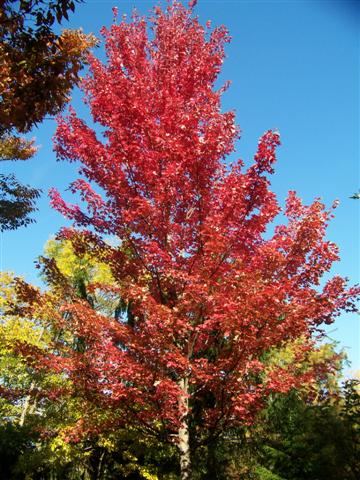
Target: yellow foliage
{"points": [[13, 327], [71, 265], [16, 148], [7, 293]]}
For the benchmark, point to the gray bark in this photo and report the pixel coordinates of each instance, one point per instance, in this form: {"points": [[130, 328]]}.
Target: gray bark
{"points": [[183, 433], [28, 408]]}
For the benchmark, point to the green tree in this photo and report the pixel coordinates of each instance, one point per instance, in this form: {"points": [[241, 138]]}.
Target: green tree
{"points": [[311, 441]]}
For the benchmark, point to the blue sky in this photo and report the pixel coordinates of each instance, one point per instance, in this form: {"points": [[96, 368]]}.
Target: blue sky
{"points": [[294, 66]]}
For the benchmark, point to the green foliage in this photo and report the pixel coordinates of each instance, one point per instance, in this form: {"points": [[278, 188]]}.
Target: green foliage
{"points": [[15, 443], [311, 441], [263, 473], [229, 457], [14, 148], [17, 202]]}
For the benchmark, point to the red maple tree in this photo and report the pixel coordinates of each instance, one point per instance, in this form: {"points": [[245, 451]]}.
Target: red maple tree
{"points": [[206, 295]]}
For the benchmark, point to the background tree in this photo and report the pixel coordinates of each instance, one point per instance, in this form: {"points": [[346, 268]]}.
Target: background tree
{"points": [[36, 435], [20, 382], [39, 69], [17, 202], [311, 440]]}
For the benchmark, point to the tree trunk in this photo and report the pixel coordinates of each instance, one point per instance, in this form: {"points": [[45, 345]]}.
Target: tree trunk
{"points": [[27, 404], [100, 465], [183, 434]]}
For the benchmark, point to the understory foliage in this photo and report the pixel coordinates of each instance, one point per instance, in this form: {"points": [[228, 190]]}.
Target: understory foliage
{"points": [[172, 319], [299, 435]]}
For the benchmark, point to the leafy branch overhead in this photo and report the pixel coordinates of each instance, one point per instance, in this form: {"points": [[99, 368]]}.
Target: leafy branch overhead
{"points": [[17, 201], [39, 69]]}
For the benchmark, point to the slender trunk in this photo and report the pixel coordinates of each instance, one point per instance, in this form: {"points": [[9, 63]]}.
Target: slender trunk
{"points": [[183, 434], [27, 404], [100, 465]]}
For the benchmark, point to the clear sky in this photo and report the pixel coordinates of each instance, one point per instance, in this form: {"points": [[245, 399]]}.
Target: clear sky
{"points": [[294, 66]]}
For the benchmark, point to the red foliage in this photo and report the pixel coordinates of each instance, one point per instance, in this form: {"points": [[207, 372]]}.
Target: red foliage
{"points": [[208, 294]]}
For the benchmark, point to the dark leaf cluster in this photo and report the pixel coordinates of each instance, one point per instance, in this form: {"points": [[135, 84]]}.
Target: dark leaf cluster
{"points": [[17, 202]]}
